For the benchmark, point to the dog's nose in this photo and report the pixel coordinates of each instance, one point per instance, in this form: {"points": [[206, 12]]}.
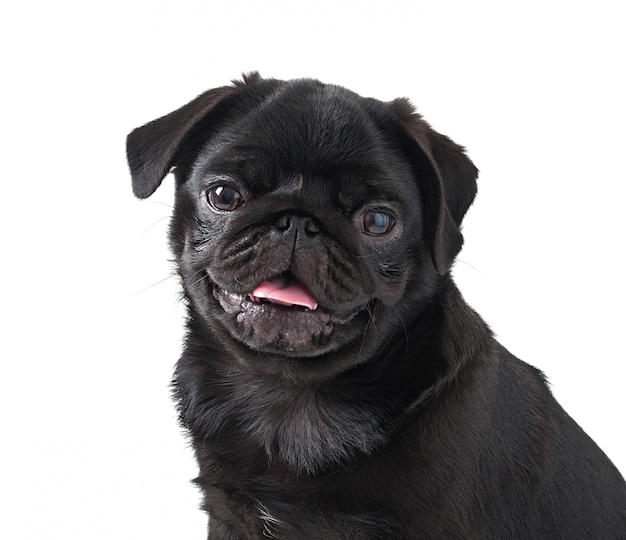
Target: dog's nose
{"points": [[301, 223]]}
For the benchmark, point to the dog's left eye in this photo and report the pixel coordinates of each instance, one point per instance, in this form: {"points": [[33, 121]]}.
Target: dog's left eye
{"points": [[224, 198], [376, 223]]}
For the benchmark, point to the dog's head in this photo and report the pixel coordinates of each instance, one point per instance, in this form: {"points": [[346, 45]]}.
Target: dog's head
{"points": [[309, 223]]}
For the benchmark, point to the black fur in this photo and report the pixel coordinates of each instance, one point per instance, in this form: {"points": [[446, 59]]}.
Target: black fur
{"points": [[389, 411]]}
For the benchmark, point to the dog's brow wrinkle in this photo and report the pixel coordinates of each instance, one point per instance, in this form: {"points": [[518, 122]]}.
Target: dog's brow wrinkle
{"points": [[293, 185], [248, 242]]}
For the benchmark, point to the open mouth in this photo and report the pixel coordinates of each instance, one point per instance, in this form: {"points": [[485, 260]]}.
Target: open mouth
{"points": [[281, 315], [284, 294]]}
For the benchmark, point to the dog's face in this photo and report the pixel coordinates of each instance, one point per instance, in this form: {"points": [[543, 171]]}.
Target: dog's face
{"points": [[309, 222]]}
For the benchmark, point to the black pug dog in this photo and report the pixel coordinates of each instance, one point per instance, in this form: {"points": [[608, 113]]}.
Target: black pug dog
{"points": [[334, 382]]}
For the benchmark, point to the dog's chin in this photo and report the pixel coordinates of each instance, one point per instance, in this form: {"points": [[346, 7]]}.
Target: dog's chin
{"points": [[287, 330]]}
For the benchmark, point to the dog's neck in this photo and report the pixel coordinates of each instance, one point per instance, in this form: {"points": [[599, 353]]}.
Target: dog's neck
{"points": [[221, 400]]}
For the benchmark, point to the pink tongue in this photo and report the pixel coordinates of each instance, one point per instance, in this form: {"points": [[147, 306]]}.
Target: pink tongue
{"points": [[285, 292]]}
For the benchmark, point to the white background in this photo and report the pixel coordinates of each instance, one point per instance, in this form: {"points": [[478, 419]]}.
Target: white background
{"points": [[535, 90]]}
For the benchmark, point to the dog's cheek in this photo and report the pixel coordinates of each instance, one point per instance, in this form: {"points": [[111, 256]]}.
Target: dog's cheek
{"points": [[182, 224], [390, 290], [391, 273]]}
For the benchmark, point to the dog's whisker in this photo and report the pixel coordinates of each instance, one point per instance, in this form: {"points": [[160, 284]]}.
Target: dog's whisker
{"points": [[160, 220], [471, 266], [161, 203], [201, 277], [156, 284], [370, 321]]}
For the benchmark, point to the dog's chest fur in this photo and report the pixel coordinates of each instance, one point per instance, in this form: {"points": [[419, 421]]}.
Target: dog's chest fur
{"points": [[327, 459], [409, 484]]}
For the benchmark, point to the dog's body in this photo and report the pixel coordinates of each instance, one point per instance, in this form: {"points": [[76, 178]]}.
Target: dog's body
{"points": [[334, 382]]}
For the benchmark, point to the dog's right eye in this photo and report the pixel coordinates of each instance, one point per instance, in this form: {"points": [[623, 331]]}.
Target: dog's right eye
{"points": [[224, 198]]}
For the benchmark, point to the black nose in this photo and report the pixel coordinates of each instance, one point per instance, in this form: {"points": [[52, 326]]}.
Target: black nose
{"points": [[303, 224]]}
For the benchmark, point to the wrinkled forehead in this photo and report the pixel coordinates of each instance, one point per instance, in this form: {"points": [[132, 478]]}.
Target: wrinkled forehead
{"points": [[306, 131]]}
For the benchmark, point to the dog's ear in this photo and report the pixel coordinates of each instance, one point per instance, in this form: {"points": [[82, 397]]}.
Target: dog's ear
{"points": [[152, 149], [448, 191]]}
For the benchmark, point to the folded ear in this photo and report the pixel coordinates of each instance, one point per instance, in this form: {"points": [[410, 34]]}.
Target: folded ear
{"points": [[448, 189], [152, 149]]}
